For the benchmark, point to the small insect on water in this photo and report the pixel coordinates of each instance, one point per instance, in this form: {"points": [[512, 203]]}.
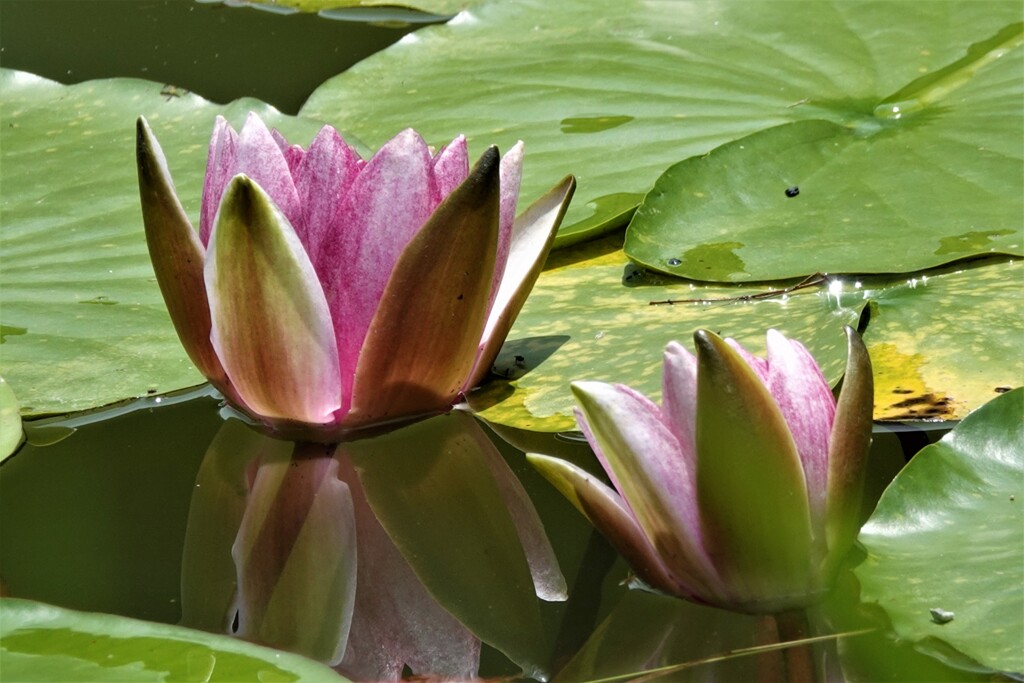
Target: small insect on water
{"points": [[792, 191], [941, 616]]}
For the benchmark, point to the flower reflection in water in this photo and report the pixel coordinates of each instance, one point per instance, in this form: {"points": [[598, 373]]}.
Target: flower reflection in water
{"points": [[294, 544]]}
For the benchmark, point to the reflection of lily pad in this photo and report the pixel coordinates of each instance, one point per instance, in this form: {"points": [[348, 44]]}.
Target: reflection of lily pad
{"points": [[680, 79], [946, 542], [46, 643], [84, 323], [590, 317]]}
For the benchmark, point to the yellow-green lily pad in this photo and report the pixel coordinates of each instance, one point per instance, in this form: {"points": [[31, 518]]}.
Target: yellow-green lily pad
{"points": [[591, 317], [944, 343]]}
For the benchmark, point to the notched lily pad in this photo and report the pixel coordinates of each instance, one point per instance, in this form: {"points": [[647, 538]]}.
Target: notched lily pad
{"points": [[616, 92]]}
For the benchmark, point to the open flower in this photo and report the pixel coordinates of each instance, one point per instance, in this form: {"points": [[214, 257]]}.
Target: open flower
{"points": [[324, 294], [742, 490]]}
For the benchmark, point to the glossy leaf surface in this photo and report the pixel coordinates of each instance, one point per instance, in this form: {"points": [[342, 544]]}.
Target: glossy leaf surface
{"points": [[42, 642], [946, 542], [616, 92]]}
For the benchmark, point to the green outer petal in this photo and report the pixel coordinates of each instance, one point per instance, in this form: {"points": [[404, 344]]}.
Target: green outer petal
{"points": [[750, 483], [11, 433], [271, 325], [423, 339], [532, 236], [848, 450], [177, 255]]}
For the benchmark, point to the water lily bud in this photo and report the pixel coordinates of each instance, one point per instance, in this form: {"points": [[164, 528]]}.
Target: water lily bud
{"points": [[742, 489], [327, 296]]}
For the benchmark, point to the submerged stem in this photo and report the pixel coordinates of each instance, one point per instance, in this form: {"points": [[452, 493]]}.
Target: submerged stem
{"points": [[792, 626]]}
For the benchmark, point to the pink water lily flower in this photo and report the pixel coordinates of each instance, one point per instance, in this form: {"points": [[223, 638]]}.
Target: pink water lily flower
{"points": [[742, 490], [325, 295]]}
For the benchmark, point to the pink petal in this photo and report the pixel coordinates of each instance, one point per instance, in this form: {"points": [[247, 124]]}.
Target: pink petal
{"points": [[652, 474], [451, 166], [387, 204], [758, 364], [323, 178], [609, 514], [293, 154], [805, 399], [220, 167], [260, 158], [511, 176], [679, 397]]}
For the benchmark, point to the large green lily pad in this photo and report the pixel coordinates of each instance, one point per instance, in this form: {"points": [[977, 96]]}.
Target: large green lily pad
{"points": [[590, 317], [45, 643], [83, 322], [617, 91], [895, 198], [946, 543]]}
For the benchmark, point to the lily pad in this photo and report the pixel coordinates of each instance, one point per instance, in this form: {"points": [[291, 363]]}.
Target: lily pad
{"points": [[11, 433], [590, 316], [944, 343], [45, 643], [814, 196], [84, 323], [946, 543], [616, 92]]}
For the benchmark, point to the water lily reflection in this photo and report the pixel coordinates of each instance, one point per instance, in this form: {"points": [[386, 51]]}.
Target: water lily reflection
{"points": [[312, 569]]}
